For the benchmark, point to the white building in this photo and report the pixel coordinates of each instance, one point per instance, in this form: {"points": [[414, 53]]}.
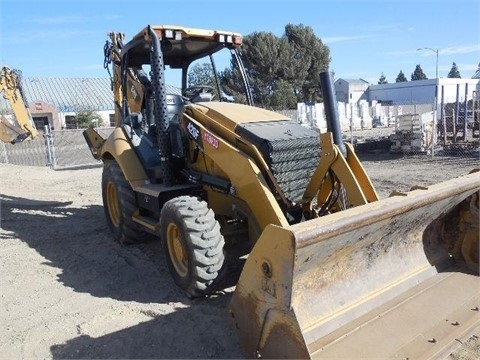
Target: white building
{"points": [[359, 102], [423, 91], [351, 90]]}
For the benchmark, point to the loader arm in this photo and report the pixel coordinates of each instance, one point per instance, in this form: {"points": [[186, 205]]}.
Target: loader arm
{"points": [[337, 172], [339, 181], [24, 129]]}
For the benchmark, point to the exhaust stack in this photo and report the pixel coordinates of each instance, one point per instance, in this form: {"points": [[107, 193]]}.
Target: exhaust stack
{"points": [[331, 111], [160, 109]]}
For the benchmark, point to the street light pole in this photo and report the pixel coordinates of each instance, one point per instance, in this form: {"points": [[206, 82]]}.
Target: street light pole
{"points": [[436, 63], [436, 98]]}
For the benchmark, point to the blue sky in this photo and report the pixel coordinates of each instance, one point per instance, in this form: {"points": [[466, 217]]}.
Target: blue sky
{"points": [[65, 38]]}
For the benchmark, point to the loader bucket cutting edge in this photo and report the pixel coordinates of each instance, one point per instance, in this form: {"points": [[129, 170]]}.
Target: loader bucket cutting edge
{"points": [[372, 281]]}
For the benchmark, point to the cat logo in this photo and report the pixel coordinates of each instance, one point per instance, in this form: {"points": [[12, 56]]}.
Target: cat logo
{"points": [[194, 131], [134, 92]]}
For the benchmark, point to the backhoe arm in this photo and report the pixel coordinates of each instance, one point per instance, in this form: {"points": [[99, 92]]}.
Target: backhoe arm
{"points": [[12, 92]]}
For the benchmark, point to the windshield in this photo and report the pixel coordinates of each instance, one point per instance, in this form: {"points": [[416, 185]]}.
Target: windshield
{"points": [[219, 71]]}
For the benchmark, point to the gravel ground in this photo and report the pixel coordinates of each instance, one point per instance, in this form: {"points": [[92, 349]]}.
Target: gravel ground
{"points": [[70, 291]]}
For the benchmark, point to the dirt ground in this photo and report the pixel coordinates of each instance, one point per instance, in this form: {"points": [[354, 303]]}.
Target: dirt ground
{"points": [[69, 291]]}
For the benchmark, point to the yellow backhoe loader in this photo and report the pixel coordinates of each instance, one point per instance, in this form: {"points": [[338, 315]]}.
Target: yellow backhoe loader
{"points": [[329, 269], [21, 127]]}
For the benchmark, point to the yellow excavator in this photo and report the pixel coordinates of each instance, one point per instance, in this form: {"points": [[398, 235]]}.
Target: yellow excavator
{"points": [[21, 127], [326, 268]]}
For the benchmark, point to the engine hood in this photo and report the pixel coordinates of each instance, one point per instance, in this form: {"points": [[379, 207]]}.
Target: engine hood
{"points": [[230, 114]]}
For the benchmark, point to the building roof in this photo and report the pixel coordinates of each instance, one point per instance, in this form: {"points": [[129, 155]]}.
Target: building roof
{"points": [[354, 81], [71, 94]]}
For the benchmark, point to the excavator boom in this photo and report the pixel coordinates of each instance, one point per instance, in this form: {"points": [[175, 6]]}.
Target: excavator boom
{"points": [[22, 126]]}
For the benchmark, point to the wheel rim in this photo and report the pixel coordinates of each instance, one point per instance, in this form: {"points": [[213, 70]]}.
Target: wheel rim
{"points": [[176, 250], [112, 204]]}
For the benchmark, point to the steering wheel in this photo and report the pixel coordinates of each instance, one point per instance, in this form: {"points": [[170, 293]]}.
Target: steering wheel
{"points": [[192, 92]]}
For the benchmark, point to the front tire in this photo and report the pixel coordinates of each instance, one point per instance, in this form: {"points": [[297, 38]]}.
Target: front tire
{"points": [[119, 205], [193, 245]]}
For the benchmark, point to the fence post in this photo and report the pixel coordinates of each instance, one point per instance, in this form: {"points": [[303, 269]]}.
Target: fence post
{"points": [[434, 127], [5, 153], [50, 147], [435, 115]]}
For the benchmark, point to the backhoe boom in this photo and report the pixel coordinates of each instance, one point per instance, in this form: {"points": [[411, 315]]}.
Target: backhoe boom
{"points": [[22, 126]]}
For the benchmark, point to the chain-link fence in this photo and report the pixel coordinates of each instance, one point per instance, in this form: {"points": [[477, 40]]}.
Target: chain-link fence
{"points": [[403, 129], [396, 128], [62, 149], [447, 125]]}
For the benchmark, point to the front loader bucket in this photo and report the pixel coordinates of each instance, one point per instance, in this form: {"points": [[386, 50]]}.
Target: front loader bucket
{"points": [[382, 280]]}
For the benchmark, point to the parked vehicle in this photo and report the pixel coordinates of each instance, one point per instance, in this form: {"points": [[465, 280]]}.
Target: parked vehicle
{"points": [[329, 269]]}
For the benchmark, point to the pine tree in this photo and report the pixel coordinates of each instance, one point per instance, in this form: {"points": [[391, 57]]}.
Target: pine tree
{"points": [[308, 49], [383, 79], [296, 58], [477, 73], [401, 77], [418, 74], [454, 73]]}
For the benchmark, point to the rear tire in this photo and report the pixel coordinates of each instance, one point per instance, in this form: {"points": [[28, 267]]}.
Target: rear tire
{"points": [[119, 205], [193, 245]]}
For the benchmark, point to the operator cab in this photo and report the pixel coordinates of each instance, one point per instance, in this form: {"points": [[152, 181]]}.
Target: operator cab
{"points": [[192, 60], [182, 69]]}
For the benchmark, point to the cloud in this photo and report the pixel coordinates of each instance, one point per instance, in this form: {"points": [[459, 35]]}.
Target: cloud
{"points": [[92, 67], [350, 75], [464, 49], [467, 67], [453, 50], [335, 39], [44, 36], [397, 52], [58, 20], [378, 28]]}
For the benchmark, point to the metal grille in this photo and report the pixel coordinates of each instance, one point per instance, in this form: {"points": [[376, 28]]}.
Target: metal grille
{"points": [[285, 145], [285, 160]]}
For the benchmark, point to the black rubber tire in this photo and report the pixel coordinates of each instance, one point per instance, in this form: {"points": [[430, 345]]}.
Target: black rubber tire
{"points": [[119, 206], [193, 245]]}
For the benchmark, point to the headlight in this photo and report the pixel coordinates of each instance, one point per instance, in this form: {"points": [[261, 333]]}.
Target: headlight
{"points": [[171, 34], [235, 39]]}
